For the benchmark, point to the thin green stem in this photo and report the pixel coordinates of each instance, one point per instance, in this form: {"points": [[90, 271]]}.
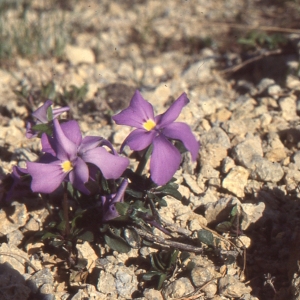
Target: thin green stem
{"points": [[66, 209]]}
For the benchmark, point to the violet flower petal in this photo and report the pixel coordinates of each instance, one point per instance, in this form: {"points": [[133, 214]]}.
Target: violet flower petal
{"points": [[89, 142], [173, 112], [58, 111], [45, 177], [182, 132], [165, 160], [41, 112], [47, 142], [79, 176], [139, 139], [30, 133], [138, 112], [64, 148], [110, 213], [111, 166], [119, 197], [72, 131]]}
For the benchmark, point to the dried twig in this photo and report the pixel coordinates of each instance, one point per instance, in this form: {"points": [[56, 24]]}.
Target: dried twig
{"points": [[160, 240], [249, 61]]}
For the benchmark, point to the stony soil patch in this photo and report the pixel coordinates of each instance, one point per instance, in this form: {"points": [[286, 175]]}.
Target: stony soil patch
{"points": [[249, 158]]}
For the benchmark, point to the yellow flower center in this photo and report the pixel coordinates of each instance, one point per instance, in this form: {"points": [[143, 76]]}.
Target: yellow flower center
{"points": [[67, 166], [149, 125]]}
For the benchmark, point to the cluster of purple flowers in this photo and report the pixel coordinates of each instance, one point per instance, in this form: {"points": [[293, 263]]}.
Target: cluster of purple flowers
{"points": [[69, 157]]}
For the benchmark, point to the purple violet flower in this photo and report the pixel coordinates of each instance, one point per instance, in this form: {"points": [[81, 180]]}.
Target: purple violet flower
{"points": [[165, 158], [109, 210], [41, 115], [66, 157]]}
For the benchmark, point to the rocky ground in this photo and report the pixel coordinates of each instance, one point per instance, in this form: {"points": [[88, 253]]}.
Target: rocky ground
{"points": [[247, 119]]}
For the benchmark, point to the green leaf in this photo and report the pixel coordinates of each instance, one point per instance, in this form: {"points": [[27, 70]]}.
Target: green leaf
{"points": [[148, 276], [224, 226], [50, 235], [87, 236], [173, 258], [234, 211], [117, 243], [169, 189], [161, 280], [122, 208], [156, 262], [46, 128], [49, 114], [134, 193], [132, 238], [206, 237]]}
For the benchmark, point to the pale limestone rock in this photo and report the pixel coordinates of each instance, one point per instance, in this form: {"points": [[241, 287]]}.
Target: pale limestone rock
{"points": [[227, 164], [78, 55], [178, 288], [15, 220], [212, 154], [192, 183], [14, 256], [243, 241], [231, 287], [251, 213], [87, 252], [236, 180], [289, 108]]}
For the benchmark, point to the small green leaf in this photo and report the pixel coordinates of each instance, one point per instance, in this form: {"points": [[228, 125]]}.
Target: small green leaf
{"points": [[169, 189], [148, 276], [224, 226], [49, 114], [206, 237], [234, 211], [156, 262], [49, 235], [161, 280], [174, 256], [134, 193], [46, 128], [87, 236], [122, 208], [132, 238], [117, 243]]}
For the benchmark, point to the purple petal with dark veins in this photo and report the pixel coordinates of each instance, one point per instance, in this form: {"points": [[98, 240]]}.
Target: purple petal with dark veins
{"points": [[111, 166], [182, 132], [41, 112], [64, 148], [173, 112], [79, 176], [139, 139], [138, 112], [165, 160], [72, 131], [46, 178]]}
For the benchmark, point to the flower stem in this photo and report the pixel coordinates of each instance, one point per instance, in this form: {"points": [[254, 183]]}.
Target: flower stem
{"points": [[66, 209], [143, 161]]}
